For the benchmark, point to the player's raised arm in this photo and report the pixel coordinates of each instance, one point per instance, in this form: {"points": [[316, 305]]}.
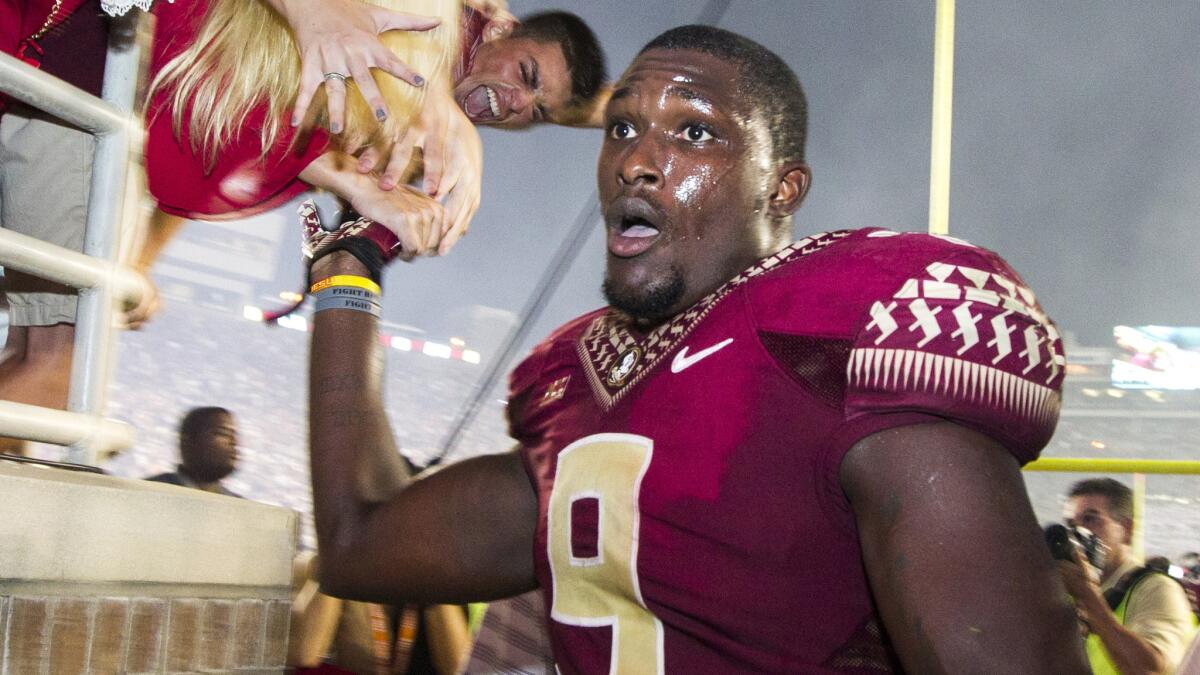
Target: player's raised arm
{"points": [[464, 533], [957, 563]]}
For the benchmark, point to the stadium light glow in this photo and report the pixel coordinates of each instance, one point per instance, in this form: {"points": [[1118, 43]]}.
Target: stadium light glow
{"points": [[436, 350], [294, 322], [1115, 393], [1099, 445], [1090, 392], [251, 313], [402, 343], [471, 356], [457, 342], [290, 296]]}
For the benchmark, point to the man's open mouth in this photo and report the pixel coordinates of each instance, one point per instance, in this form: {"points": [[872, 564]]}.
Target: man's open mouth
{"points": [[634, 231], [482, 104]]}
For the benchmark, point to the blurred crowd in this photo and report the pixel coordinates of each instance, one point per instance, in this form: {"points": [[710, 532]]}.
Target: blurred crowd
{"points": [[260, 374]]}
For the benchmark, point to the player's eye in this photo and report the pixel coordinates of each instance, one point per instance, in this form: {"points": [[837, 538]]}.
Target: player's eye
{"points": [[621, 131], [697, 133]]}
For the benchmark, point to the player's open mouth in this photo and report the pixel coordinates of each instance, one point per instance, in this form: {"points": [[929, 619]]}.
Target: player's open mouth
{"points": [[631, 236], [482, 104]]}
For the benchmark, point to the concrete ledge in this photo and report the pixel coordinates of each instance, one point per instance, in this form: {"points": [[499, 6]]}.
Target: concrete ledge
{"points": [[63, 526]]}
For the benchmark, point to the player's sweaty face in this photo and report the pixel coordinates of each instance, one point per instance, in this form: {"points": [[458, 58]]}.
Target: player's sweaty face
{"points": [[683, 180]]}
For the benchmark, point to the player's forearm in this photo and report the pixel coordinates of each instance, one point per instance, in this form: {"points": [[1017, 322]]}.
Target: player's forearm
{"points": [[1131, 654], [355, 465]]}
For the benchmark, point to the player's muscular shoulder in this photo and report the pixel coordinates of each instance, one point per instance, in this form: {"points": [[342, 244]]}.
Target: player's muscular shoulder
{"points": [[952, 329], [832, 292]]}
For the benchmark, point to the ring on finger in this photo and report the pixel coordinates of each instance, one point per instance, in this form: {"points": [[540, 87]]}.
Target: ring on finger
{"points": [[335, 76]]}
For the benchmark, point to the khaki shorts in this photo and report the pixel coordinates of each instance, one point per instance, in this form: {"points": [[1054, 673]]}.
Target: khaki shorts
{"points": [[45, 176]]}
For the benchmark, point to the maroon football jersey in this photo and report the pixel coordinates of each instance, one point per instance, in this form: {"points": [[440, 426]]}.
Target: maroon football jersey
{"points": [[690, 516]]}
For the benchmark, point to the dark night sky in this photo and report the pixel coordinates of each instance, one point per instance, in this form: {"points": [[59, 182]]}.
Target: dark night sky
{"points": [[1075, 151]]}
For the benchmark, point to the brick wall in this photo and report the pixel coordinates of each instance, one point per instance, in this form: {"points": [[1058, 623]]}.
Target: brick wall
{"points": [[106, 575], [42, 635]]}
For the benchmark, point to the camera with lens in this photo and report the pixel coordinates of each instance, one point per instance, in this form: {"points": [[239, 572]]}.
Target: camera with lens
{"points": [[1063, 539]]}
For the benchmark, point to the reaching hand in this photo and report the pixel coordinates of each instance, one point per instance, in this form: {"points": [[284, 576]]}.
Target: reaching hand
{"points": [[339, 39], [453, 163], [415, 218], [461, 178], [136, 316]]}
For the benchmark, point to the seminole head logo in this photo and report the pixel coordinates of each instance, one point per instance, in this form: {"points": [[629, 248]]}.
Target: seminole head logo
{"points": [[624, 366]]}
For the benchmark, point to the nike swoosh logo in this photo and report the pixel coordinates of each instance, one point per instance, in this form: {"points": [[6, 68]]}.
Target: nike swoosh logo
{"points": [[682, 361]]}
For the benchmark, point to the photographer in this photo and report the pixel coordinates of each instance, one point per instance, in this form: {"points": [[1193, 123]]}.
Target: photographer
{"points": [[1138, 620]]}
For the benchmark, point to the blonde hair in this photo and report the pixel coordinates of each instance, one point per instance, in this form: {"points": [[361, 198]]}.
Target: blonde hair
{"points": [[245, 55]]}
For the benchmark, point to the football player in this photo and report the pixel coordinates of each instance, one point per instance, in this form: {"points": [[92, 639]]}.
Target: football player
{"points": [[761, 456]]}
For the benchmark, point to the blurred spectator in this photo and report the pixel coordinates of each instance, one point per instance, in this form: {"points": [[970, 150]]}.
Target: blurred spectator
{"points": [[1138, 618], [1159, 563], [207, 450], [1190, 562]]}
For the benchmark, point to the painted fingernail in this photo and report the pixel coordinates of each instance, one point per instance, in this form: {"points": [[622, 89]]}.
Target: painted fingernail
{"points": [[419, 81], [380, 114], [336, 128], [295, 120]]}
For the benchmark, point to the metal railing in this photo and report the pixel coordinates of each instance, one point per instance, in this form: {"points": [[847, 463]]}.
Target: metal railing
{"points": [[95, 272]]}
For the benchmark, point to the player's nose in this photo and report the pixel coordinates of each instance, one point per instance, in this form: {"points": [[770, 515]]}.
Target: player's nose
{"points": [[640, 165]]}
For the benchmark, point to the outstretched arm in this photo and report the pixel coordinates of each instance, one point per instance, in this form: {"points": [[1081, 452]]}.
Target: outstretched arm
{"points": [[956, 561], [463, 534]]}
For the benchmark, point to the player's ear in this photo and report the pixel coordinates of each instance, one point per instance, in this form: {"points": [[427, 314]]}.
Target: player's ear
{"points": [[790, 188], [495, 30], [589, 113]]}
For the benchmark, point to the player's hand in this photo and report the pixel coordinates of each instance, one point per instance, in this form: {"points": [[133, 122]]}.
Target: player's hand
{"points": [[342, 36], [415, 218]]}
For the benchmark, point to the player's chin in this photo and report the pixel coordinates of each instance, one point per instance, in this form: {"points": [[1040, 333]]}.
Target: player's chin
{"points": [[641, 293]]}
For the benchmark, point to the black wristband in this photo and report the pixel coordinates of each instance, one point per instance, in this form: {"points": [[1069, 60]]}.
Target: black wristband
{"points": [[366, 252]]}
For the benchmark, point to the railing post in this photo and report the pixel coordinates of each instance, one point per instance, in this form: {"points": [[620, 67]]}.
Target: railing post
{"points": [[106, 220]]}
